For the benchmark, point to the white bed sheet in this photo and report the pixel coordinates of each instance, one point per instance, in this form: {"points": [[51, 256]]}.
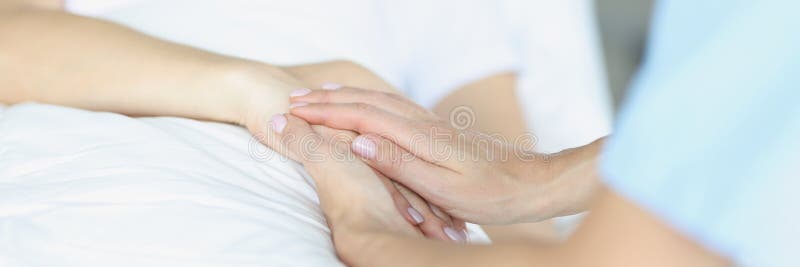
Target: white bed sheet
{"points": [[81, 188]]}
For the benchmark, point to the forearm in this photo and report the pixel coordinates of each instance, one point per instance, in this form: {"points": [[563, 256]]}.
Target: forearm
{"points": [[500, 116], [559, 184], [53, 57], [617, 233], [577, 178], [393, 250]]}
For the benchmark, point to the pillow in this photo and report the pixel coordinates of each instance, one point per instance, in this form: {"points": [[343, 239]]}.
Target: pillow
{"points": [[81, 188]]}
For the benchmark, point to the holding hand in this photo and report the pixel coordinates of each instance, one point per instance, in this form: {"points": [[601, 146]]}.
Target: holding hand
{"points": [[472, 176], [261, 91], [352, 196]]}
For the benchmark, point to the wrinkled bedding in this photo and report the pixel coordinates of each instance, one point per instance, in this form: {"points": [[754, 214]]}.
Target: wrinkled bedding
{"points": [[81, 188]]}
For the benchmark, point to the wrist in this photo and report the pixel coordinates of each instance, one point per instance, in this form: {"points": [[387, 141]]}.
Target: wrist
{"points": [[559, 184], [536, 179], [252, 90]]}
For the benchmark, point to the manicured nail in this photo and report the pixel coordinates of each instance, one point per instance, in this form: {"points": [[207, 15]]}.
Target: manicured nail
{"points": [[331, 86], [465, 234], [364, 147], [454, 235], [278, 122], [415, 215], [300, 92], [298, 104]]}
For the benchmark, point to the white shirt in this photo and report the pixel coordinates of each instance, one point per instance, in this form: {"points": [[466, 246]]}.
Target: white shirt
{"points": [[405, 42], [426, 48]]}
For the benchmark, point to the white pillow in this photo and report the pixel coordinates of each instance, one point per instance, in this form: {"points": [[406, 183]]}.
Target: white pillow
{"points": [[80, 188]]}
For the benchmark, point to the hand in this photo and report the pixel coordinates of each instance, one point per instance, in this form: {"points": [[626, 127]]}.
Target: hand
{"points": [[268, 93], [353, 197], [473, 176]]}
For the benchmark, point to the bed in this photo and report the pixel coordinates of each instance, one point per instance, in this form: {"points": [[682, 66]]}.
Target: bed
{"points": [[82, 188]]}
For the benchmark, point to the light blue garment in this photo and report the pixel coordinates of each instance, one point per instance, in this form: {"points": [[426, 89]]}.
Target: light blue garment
{"points": [[709, 139]]}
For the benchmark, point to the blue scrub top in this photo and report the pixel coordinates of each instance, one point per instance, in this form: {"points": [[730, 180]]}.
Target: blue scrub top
{"points": [[709, 137]]}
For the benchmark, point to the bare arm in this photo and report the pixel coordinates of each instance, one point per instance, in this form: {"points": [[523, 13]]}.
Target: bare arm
{"points": [[366, 234], [598, 242], [49, 56], [499, 114]]}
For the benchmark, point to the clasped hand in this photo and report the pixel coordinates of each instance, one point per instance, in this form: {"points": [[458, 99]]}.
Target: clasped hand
{"points": [[472, 176]]}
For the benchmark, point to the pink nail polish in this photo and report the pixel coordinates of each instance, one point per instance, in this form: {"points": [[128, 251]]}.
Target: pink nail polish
{"points": [[364, 147], [278, 122], [300, 92], [298, 104], [415, 215], [331, 86], [454, 235]]}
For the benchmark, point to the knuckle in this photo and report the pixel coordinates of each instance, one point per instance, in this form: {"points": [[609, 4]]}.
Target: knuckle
{"points": [[436, 120], [384, 97], [364, 107], [399, 198], [394, 163], [434, 223], [324, 96], [395, 96], [425, 127]]}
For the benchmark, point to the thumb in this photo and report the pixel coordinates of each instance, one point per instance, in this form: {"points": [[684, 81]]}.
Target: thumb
{"points": [[429, 180], [297, 138]]}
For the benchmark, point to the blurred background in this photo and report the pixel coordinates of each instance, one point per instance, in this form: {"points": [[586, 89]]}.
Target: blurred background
{"points": [[623, 25]]}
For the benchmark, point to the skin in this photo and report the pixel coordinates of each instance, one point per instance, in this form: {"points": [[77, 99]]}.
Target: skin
{"points": [[222, 89], [50, 56], [504, 104], [406, 141], [367, 235]]}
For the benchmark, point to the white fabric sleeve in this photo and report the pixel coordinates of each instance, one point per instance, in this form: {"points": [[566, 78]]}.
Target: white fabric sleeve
{"points": [[465, 41], [562, 87]]}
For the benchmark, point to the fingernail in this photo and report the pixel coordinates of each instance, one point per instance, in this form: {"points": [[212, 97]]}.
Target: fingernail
{"points": [[297, 104], [331, 86], [364, 147], [454, 235], [300, 92], [278, 122], [415, 215], [465, 234]]}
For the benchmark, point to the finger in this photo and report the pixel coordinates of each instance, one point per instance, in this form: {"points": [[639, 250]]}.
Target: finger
{"points": [[456, 230], [429, 180], [403, 206], [433, 226], [261, 130], [316, 154], [289, 130], [461, 225], [431, 141], [401, 202], [305, 144], [391, 102]]}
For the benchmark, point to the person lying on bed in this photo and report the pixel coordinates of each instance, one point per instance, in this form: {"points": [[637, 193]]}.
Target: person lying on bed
{"points": [[50, 56]]}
